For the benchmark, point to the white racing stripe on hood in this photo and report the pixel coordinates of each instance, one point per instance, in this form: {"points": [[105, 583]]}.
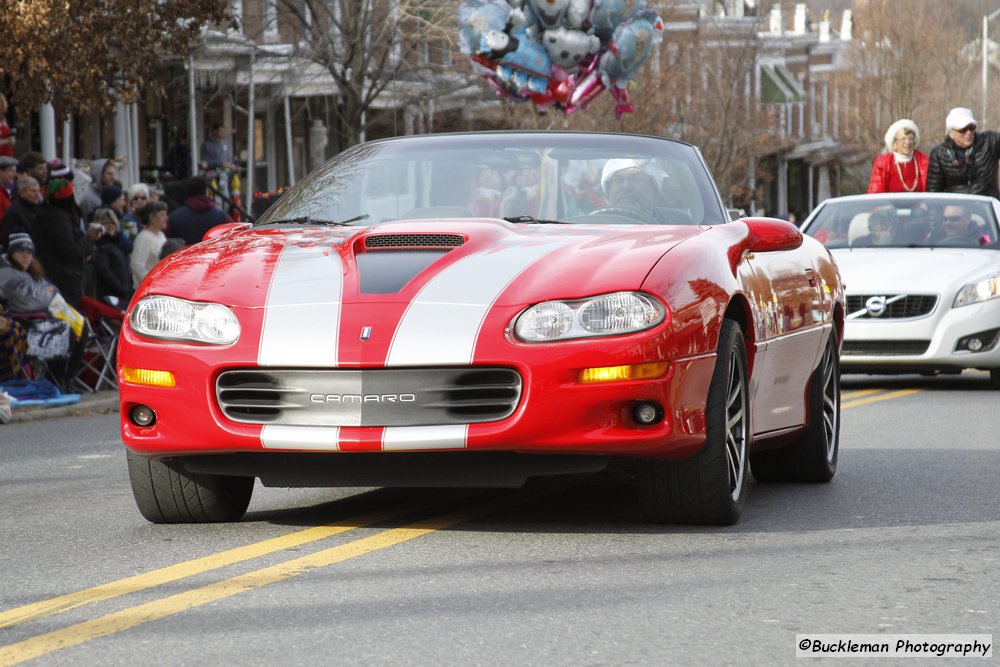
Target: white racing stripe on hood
{"points": [[442, 323], [302, 316], [402, 438], [318, 438]]}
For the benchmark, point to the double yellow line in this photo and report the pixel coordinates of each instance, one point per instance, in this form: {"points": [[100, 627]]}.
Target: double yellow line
{"points": [[852, 399], [131, 617]]}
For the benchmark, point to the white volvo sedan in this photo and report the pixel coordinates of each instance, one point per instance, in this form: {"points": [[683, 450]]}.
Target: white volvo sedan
{"points": [[922, 276]]}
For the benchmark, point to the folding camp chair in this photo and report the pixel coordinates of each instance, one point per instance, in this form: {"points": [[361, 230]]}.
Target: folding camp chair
{"points": [[103, 323]]}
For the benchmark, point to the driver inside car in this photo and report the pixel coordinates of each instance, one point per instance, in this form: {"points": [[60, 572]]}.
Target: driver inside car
{"points": [[957, 225], [632, 184]]}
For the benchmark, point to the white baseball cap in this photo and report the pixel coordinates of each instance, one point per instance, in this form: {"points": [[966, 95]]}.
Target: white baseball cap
{"points": [[959, 118]]}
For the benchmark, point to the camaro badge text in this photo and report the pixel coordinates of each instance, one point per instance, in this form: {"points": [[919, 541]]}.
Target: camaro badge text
{"points": [[352, 399]]}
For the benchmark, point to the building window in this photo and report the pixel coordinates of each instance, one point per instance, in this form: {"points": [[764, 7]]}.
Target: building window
{"points": [[236, 11], [271, 19]]}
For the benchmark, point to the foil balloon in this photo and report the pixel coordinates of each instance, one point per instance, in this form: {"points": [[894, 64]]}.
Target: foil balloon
{"points": [[559, 53]]}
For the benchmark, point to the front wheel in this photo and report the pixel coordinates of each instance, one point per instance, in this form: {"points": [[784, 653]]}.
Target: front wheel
{"points": [[167, 493], [813, 458], [711, 487]]}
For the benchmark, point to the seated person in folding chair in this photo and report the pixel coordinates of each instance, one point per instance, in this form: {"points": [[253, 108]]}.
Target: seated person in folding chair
{"points": [[27, 293]]}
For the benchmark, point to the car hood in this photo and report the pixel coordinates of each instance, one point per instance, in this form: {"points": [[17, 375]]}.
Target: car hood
{"points": [[930, 270], [388, 262]]}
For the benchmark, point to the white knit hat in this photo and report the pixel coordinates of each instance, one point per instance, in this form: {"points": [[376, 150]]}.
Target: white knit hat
{"points": [[902, 124]]}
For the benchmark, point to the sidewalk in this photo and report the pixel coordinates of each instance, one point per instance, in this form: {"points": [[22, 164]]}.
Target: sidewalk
{"points": [[102, 402]]}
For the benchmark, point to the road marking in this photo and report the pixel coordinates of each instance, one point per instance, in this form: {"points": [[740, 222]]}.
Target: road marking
{"points": [[857, 393], [34, 647], [879, 397], [190, 568]]}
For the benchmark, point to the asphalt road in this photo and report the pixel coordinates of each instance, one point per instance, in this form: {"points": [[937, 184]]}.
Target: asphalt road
{"points": [[904, 540]]}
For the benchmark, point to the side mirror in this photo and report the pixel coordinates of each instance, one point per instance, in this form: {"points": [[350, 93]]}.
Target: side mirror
{"points": [[771, 234], [736, 214], [225, 228]]}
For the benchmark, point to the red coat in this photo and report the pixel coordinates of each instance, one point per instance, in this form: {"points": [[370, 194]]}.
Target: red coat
{"points": [[886, 177]]}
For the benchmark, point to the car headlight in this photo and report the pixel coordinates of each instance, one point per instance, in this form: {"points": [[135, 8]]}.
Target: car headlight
{"points": [[605, 315], [984, 289], [176, 319]]}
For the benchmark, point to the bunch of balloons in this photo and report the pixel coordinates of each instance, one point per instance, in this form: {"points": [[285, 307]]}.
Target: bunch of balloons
{"points": [[562, 53]]}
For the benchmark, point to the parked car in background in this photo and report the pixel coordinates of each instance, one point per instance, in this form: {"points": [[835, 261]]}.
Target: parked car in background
{"points": [[922, 272], [475, 309]]}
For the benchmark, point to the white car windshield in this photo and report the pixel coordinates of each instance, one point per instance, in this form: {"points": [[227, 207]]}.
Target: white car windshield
{"points": [[576, 178], [910, 222]]}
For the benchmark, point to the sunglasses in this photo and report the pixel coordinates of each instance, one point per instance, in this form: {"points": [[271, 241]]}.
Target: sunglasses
{"points": [[638, 178], [966, 129], [953, 218]]}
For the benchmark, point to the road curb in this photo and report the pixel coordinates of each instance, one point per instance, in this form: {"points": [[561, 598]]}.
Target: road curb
{"points": [[97, 405]]}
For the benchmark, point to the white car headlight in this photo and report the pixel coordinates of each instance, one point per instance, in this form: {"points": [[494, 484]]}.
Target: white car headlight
{"points": [[984, 289], [606, 315], [176, 319]]}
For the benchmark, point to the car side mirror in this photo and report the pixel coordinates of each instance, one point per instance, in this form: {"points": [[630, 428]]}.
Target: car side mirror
{"points": [[772, 234]]}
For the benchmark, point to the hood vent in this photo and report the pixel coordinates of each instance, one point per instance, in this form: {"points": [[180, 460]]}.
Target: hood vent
{"points": [[410, 241]]}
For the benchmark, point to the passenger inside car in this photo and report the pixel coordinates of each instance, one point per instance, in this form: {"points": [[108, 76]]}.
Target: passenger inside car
{"points": [[881, 229]]}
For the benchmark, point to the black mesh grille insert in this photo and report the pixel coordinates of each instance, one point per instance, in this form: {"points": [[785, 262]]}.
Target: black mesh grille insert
{"points": [[911, 305], [884, 348], [391, 241], [376, 397]]}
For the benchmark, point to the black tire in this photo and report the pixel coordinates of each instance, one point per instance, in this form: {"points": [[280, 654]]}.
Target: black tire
{"points": [[995, 378], [813, 458], [166, 493], [711, 487]]}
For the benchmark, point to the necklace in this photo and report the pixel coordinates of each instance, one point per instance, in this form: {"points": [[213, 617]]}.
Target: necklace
{"points": [[916, 178]]}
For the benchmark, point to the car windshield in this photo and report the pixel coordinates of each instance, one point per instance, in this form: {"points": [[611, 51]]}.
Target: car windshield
{"points": [[575, 178], [905, 222]]}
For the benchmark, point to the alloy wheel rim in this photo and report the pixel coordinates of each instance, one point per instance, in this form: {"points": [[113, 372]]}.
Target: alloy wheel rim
{"points": [[736, 427], [831, 403]]}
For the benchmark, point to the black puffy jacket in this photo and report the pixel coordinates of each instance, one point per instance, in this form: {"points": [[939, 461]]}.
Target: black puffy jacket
{"points": [[973, 170]]}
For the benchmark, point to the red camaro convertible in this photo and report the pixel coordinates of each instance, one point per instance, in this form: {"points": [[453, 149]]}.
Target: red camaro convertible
{"points": [[476, 309]]}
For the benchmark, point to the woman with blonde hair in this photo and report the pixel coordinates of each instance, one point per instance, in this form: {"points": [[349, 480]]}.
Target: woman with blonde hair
{"points": [[903, 168]]}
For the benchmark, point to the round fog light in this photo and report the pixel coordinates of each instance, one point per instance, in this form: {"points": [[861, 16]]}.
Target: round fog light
{"points": [[647, 413], [975, 344], [142, 415]]}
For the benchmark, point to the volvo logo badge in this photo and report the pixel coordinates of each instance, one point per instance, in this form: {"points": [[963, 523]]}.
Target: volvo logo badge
{"points": [[876, 306], [366, 333]]}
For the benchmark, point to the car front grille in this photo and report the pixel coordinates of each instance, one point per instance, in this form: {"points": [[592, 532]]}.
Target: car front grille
{"points": [[377, 397], [397, 241], [884, 348], [908, 306]]}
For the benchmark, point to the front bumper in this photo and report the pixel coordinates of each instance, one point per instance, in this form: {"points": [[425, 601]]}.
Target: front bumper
{"points": [[937, 342], [555, 414]]}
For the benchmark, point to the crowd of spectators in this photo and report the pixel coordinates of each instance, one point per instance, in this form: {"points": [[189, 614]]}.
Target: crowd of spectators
{"points": [[101, 239], [67, 236]]}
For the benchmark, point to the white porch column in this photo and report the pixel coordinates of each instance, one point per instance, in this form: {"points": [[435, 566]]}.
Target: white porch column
{"points": [[251, 148], [289, 153], [67, 137], [122, 140], [47, 125], [192, 118], [781, 206], [134, 136]]}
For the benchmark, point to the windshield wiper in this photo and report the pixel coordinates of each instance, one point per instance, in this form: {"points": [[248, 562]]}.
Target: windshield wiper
{"points": [[306, 220], [531, 220]]}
